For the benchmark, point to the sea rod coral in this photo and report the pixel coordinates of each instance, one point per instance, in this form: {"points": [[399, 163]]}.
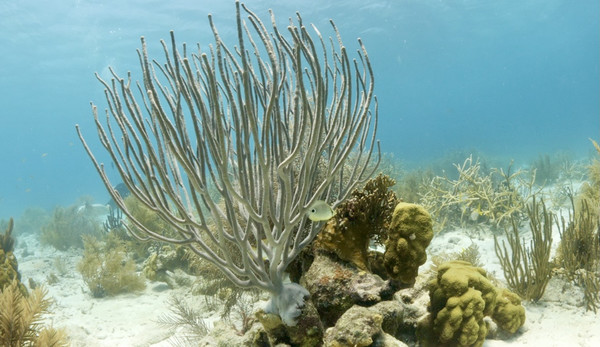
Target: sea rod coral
{"points": [[231, 147]]}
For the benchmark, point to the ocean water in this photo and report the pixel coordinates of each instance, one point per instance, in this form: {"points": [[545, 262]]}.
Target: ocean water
{"points": [[508, 78]]}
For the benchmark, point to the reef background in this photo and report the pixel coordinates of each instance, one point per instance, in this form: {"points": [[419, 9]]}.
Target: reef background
{"points": [[511, 79]]}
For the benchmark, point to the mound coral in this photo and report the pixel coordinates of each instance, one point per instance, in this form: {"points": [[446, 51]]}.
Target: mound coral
{"points": [[461, 295], [410, 232], [509, 314]]}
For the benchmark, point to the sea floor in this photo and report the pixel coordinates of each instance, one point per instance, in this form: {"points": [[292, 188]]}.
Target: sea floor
{"points": [[559, 319]]}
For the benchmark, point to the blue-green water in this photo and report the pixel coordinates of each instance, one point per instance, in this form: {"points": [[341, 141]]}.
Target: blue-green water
{"points": [[508, 78]]}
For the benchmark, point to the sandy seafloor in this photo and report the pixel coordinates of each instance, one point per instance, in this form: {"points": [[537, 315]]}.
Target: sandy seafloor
{"points": [[559, 319]]}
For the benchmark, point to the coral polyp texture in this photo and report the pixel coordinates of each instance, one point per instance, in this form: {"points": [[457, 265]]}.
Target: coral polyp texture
{"points": [[509, 314], [409, 234], [461, 296]]}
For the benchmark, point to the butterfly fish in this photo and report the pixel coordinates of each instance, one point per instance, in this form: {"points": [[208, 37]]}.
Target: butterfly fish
{"points": [[320, 211]]}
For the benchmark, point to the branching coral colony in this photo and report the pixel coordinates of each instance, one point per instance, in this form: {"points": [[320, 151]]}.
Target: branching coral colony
{"points": [[21, 318], [496, 197], [21, 312], [270, 124], [527, 269], [233, 149], [578, 254]]}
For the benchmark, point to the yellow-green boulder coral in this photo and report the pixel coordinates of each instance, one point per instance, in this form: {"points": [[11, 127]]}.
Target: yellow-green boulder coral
{"points": [[410, 232], [509, 314]]}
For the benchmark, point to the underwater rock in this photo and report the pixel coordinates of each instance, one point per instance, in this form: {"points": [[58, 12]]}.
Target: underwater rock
{"points": [[414, 301], [165, 264], [307, 332], [356, 327], [387, 340], [269, 330], [561, 289], [392, 313], [359, 327], [224, 334], [155, 270], [336, 286], [93, 210]]}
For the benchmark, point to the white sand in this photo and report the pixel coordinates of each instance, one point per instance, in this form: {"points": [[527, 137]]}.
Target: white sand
{"points": [[559, 319], [131, 319], [123, 320]]}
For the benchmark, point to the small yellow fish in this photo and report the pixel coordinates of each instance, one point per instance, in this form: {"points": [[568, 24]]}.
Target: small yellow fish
{"points": [[320, 211], [476, 213]]}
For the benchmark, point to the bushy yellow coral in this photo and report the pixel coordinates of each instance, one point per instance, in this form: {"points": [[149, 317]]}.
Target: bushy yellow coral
{"points": [[364, 217], [106, 269], [21, 319], [150, 219], [66, 227], [7, 242], [590, 190], [9, 268]]}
